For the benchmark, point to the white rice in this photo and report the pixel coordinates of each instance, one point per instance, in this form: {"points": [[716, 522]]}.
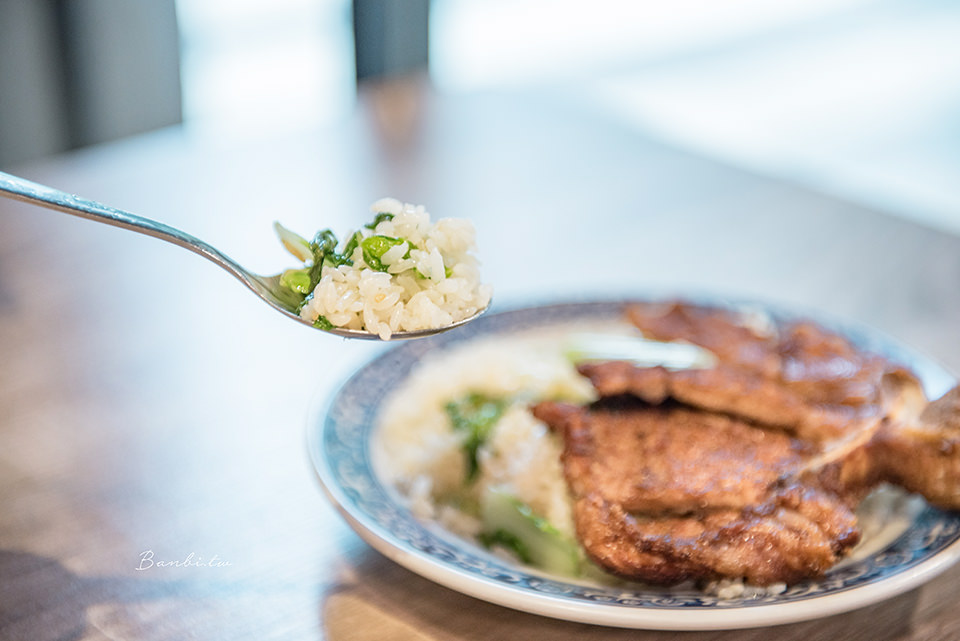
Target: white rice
{"points": [[437, 284], [420, 455]]}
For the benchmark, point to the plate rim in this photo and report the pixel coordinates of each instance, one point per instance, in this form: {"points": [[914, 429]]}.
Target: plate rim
{"points": [[597, 613]]}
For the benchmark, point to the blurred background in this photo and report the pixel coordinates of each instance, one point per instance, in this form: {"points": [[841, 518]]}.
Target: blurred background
{"points": [[855, 98]]}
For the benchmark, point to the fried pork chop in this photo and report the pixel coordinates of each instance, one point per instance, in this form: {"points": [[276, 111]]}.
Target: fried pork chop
{"points": [[751, 469]]}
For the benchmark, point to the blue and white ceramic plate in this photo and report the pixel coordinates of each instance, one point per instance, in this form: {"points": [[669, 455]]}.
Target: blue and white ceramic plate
{"points": [[921, 544]]}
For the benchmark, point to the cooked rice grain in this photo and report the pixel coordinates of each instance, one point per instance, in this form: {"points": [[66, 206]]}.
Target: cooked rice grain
{"points": [[432, 279]]}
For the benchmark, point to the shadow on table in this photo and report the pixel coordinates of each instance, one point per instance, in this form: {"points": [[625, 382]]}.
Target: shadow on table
{"points": [[384, 601]]}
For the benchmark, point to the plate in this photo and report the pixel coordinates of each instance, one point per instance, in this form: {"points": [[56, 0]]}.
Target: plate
{"points": [[339, 438]]}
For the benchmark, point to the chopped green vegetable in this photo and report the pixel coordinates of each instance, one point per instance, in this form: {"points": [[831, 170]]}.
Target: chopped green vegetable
{"points": [[294, 243], [379, 218], [324, 241], [351, 245], [375, 247], [324, 248], [332, 258], [475, 414], [297, 279], [505, 517], [323, 323], [312, 254], [322, 252], [508, 540]]}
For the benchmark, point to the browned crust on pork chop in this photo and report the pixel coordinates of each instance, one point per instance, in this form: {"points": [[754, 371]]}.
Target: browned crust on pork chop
{"points": [[728, 390], [664, 495], [816, 364], [671, 460]]}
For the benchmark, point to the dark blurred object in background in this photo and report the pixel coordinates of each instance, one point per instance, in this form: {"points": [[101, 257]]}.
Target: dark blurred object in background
{"points": [[79, 72], [390, 37]]}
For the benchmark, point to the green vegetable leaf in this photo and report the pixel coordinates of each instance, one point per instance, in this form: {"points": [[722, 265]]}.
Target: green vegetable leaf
{"points": [[508, 540], [323, 323], [375, 247], [475, 414], [379, 218], [293, 243], [351, 245], [322, 251], [297, 279], [312, 253], [324, 242], [539, 542]]}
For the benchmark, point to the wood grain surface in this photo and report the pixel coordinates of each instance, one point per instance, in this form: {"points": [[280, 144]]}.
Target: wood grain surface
{"points": [[153, 412]]}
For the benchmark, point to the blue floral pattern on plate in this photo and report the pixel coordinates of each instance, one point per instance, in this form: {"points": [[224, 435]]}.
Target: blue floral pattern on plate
{"points": [[340, 441]]}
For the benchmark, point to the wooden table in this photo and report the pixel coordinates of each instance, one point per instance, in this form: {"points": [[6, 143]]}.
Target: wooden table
{"points": [[152, 409]]}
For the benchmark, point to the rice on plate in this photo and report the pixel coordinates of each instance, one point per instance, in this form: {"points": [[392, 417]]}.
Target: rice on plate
{"points": [[427, 454], [400, 272]]}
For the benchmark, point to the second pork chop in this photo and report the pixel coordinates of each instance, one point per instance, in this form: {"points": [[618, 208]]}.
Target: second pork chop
{"points": [[667, 494]]}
